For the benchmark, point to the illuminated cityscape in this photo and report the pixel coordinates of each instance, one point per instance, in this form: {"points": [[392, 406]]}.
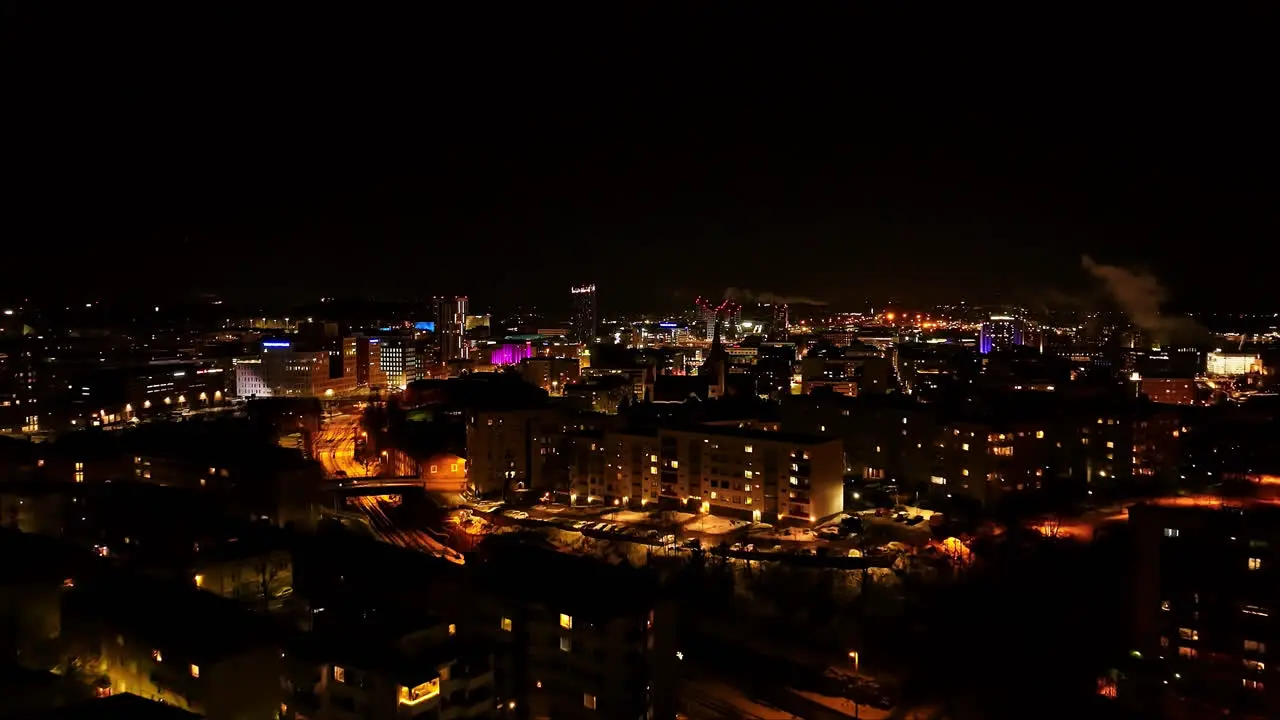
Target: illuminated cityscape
{"points": [[497, 369]]}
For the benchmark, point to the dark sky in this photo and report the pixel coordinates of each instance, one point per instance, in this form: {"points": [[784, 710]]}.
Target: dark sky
{"points": [[659, 155]]}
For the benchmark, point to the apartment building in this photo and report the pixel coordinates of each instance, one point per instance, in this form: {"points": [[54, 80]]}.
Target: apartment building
{"points": [[509, 450], [754, 475], [183, 647], [983, 460], [1205, 591], [576, 638], [387, 665], [613, 467]]}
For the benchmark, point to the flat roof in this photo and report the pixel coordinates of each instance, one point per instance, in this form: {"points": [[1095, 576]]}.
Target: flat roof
{"points": [[123, 706], [174, 617]]}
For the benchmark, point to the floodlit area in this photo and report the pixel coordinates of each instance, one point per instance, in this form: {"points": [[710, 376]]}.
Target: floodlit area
{"points": [[335, 447]]}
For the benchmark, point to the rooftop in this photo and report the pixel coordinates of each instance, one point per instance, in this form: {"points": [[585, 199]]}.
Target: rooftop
{"points": [[117, 707], [174, 617]]}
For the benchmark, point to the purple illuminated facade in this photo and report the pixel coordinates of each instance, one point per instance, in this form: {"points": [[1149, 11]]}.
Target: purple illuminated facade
{"points": [[510, 354]]}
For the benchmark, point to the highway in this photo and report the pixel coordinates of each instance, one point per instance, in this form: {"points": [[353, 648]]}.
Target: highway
{"points": [[335, 447]]}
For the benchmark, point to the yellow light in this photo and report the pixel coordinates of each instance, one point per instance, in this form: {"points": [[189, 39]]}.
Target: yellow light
{"points": [[421, 693], [199, 581], [195, 671]]}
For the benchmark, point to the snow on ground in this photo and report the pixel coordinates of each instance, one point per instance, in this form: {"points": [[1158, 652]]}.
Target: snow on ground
{"points": [[711, 524], [626, 516], [769, 532], [845, 705], [722, 699]]}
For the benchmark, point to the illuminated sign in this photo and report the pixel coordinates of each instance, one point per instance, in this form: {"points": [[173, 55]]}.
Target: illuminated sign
{"points": [[583, 289], [425, 326], [668, 325], [276, 344]]}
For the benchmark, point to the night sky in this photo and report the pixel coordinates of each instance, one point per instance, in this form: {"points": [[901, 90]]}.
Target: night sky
{"points": [[659, 155]]}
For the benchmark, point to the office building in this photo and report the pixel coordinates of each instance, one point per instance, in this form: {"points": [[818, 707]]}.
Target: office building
{"points": [[451, 328], [585, 314], [293, 372], [397, 361], [1227, 364], [1000, 332]]}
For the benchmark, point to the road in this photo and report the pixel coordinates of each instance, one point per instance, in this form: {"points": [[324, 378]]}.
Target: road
{"points": [[335, 447]]}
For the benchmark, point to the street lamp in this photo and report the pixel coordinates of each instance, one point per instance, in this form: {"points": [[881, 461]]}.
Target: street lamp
{"points": [[853, 659]]}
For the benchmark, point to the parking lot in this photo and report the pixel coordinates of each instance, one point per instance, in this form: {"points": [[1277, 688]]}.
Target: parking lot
{"points": [[845, 534]]}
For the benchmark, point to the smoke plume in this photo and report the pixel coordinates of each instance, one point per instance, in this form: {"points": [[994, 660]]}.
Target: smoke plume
{"points": [[1140, 295], [745, 296]]}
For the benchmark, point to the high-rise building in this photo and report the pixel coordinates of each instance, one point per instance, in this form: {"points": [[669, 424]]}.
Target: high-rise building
{"points": [[584, 313], [451, 326], [1204, 593], [1000, 332], [780, 327]]}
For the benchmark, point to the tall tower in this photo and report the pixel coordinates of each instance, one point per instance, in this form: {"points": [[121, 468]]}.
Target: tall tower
{"points": [[779, 329], [584, 313], [451, 327]]}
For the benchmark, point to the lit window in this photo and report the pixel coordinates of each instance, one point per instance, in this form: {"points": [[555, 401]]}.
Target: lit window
{"points": [[505, 624], [1252, 684], [1255, 647], [1039, 434], [1164, 642], [1110, 444], [653, 469], [1255, 563], [1171, 532], [199, 581], [566, 621], [965, 472], [652, 458], [339, 673], [1164, 604], [453, 629], [425, 691], [195, 671], [1187, 652], [566, 643], [435, 469], [964, 446], [157, 656], [1188, 633], [453, 467], [589, 701], [675, 464], [747, 474], [748, 449]]}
